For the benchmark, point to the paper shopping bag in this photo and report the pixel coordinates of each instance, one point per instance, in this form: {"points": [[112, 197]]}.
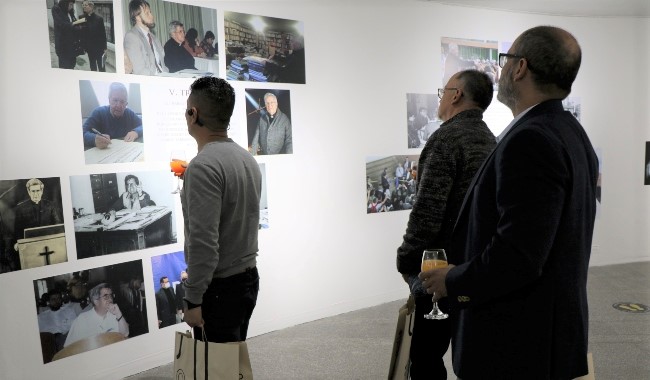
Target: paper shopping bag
{"points": [[245, 369], [197, 360], [400, 359]]}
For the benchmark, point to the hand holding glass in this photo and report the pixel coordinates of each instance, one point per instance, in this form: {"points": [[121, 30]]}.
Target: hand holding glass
{"points": [[178, 165], [434, 258]]}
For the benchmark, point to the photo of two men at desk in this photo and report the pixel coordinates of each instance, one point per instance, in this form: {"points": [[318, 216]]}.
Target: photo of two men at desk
{"points": [[122, 212]]}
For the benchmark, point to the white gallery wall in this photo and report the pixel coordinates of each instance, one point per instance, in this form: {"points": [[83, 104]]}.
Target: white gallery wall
{"points": [[322, 255]]}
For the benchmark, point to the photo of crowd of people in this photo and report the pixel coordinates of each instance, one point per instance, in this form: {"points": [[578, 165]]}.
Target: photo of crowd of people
{"points": [[31, 224], [80, 34], [462, 54], [264, 49], [121, 212], [391, 183], [422, 118], [88, 309], [166, 38], [268, 117]]}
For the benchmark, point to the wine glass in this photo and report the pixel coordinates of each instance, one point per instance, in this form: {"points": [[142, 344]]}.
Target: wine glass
{"points": [[434, 258], [178, 164]]}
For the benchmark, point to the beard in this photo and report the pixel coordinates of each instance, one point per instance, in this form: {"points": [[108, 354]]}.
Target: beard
{"points": [[150, 25], [507, 93]]}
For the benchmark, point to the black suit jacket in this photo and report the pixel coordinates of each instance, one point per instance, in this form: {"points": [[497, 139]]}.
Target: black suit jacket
{"points": [[521, 245]]}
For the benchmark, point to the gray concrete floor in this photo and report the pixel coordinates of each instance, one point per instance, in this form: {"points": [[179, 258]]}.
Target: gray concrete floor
{"points": [[358, 345]]}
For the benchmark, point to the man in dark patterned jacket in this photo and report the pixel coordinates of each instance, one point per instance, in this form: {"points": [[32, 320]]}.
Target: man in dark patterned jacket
{"points": [[447, 164]]}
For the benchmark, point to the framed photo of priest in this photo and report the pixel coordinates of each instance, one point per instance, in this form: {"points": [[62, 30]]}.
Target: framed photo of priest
{"points": [[31, 224]]}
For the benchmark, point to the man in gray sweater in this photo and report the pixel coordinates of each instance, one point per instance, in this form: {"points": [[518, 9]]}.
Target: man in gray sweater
{"points": [[447, 164], [220, 199]]}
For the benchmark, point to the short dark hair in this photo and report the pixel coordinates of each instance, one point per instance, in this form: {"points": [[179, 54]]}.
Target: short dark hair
{"points": [[553, 54], [478, 87], [215, 98], [163, 279], [209, 34], [128, 177], [135, 8]]}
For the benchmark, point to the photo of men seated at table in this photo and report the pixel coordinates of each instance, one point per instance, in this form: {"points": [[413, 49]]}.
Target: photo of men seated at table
{"points": [[391, 183], [122, 212], [31, 224], [264, 49], [111, 122], [164, 38], [89, 309]]}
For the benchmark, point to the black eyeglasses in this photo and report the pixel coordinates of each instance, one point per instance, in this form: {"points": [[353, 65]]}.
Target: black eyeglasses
{"points": [[503, 59], [441, 91]]}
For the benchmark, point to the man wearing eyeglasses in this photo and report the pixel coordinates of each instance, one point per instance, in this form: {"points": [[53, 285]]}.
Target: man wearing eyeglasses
{"points": [[522, 242], [105, 316], [112, 121], [449, 160]]}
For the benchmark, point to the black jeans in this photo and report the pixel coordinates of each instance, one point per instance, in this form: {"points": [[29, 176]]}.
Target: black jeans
{"points": [[430, 341], [95, 61], [227, 307]]}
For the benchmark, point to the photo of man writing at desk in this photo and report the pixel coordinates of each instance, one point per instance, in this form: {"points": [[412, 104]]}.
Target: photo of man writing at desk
{"points": [[111, 133], [121, 212]]}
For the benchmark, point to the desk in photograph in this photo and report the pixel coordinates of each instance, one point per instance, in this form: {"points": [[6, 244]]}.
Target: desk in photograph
{"points": [[130, 231], [118, 151], [210, 65]]}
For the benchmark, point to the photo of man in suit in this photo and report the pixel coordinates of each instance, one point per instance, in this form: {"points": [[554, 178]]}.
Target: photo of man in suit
{"points": [[141, 46], [517, 279]]}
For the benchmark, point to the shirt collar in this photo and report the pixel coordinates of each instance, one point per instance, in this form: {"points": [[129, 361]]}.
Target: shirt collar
{"points": [[513, 122]]}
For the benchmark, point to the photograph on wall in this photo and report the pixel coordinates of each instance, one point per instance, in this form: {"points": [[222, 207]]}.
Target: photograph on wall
{"points": [[464, 54], [391, 183], [422, 118], [122, 212], [646, 170], [264, 49], [85, 310], [31, 224], [81, 34], [165, 38], [169, 277], [572, 104], [111, 122], [268, 117], [264, 202]]}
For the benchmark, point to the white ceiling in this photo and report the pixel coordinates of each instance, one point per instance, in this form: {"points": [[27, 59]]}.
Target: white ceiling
{"points": [[578, 8]]}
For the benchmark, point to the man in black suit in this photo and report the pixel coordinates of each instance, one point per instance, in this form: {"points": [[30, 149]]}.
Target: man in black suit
{"points": [[522, 241], [94, 36], [166, 304]]}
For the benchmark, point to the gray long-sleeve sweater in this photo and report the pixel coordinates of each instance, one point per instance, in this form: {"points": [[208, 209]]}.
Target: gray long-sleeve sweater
{"points": [[221, 207]]}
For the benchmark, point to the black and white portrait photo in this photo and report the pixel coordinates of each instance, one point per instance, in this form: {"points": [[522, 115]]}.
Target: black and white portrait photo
{"points": [[89, 309], [31, 224], [120, 212]]}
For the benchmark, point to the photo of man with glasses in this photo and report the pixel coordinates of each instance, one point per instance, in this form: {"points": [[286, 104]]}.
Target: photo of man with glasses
{"points": [[105, 316], [112, 121]]}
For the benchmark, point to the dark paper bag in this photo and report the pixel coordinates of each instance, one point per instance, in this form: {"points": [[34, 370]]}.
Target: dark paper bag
{"points": [[400, 359], [197, 360]]}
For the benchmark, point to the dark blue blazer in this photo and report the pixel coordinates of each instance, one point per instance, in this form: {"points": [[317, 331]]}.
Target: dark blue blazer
{"points": [[521, 244]]}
